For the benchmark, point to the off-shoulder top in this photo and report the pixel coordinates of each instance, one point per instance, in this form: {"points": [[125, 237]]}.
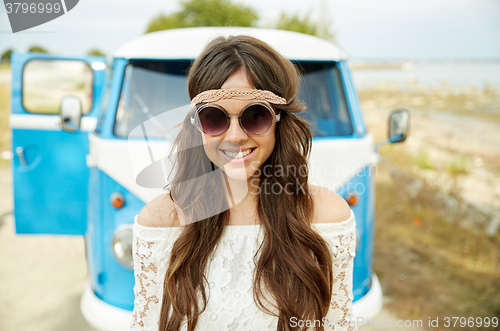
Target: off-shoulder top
{"points": [[230, 304]]}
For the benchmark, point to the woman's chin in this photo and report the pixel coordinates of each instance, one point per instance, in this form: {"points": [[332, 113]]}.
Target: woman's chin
{"points": [[237, 174]]}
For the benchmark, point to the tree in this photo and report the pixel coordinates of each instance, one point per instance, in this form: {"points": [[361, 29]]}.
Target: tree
{"points": [[205, 13], [295, 23], [37, 49], [303, 25], [6, 56], [95, 52]]}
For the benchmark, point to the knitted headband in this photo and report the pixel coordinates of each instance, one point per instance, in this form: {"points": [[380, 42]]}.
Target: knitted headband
{"points": [[215, 95]]}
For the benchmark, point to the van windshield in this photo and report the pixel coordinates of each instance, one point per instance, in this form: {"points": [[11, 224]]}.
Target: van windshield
{"points": [[151, 88]]}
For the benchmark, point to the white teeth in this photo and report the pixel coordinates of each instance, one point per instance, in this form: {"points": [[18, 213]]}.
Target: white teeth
{"points": [[239, 154]]}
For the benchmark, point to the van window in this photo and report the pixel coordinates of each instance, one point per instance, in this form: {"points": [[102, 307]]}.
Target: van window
{"points": [[46, 81], [152, 87], [323, 92]]}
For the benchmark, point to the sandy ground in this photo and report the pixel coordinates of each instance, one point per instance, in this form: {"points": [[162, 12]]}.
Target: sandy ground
{"points": [[444, 138], [43, 277]]}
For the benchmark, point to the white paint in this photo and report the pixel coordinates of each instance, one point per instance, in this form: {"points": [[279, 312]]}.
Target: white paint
{"points": [[189, 42], [112, 157], [333, 162], [103, 316], [46, 122], [90, 161], [371, 303], [98, 65], [123, 160]]}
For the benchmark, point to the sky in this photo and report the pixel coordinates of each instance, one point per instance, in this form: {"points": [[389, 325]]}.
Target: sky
{"points": [[365, 29]]}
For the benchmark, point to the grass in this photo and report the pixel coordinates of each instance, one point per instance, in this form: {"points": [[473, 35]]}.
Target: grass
{"points": [[458, 165], [423, 161], [431, 254], [429, 266]]}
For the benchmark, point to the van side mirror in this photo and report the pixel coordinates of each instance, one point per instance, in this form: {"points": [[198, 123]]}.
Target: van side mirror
{"points": [[398, 125], [71, 113]]}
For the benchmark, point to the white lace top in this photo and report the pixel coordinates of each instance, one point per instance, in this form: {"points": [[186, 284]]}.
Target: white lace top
{"points": [[230, 304]]}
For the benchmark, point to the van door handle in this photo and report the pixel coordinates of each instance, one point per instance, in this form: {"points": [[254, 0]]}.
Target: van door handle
{"points": [[20, 155]]}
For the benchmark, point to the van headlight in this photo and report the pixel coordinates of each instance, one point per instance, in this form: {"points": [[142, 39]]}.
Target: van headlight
{"points": [[122, 246]]}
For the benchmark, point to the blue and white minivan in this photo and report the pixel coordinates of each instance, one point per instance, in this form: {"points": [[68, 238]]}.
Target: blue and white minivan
{"points": [[74, 124]]}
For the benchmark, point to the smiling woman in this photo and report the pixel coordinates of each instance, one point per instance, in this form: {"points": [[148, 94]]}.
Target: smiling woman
{"points": [[232, 246], [236, 145]]}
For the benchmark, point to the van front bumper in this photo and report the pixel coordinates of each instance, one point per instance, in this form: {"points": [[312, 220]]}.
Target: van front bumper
{"points": [[101, 315], [370, 304]]}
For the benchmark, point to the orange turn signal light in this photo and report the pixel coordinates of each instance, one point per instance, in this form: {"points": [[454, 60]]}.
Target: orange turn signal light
{"points": [[352, 199], [117, 200]]}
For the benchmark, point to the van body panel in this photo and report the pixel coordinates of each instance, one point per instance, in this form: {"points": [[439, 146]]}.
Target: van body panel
{"points": [[171, 44], [352, 97], [48, 167], [122, 160], [109, 110], [362, 186], [115, 281]]}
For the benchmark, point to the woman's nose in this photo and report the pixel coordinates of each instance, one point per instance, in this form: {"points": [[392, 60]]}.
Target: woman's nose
{"points": [[235, 132]]}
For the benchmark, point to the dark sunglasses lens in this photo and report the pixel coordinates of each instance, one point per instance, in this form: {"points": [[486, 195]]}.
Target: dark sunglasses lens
{"points": [[213, 120], [256, 119]]}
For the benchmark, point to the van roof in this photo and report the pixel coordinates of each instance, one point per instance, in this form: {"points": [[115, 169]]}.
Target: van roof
{"points": [[187, 43]]}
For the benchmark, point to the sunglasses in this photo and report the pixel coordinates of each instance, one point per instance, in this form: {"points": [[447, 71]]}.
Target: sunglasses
{"points": [[255, 118]]}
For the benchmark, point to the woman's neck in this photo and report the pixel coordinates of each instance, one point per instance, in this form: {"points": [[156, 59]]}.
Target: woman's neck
{"points": [[243, 195]]}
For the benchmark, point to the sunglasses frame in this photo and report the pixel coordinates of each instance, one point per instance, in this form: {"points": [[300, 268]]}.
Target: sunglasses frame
{"points": [[195, 118]]}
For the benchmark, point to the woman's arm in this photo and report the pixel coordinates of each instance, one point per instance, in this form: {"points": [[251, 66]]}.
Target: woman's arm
{"points": [[340, 315], [153, 237], [334, 221], [148, 287]]}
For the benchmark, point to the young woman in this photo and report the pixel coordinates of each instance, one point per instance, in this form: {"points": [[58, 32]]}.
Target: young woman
{"points": [[242, 241]]}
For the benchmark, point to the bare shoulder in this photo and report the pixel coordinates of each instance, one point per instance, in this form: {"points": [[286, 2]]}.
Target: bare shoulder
{"points": [[159, 213], [329, 207]]}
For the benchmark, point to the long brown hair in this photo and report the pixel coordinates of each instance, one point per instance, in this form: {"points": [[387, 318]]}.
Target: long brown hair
{"points": [[293, 263]]}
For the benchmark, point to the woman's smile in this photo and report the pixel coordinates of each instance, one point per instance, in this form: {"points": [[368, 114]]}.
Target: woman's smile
{"points": [[242, 155]]}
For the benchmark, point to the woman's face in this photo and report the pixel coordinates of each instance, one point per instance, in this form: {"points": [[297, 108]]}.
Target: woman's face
{"points": [[222, 149]]}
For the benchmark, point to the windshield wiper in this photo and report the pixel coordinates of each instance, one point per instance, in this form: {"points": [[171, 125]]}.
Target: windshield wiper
{"points": [[153, 119]]}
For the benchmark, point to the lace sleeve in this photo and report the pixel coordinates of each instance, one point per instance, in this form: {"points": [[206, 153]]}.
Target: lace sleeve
{"points": [[341, 237], [151, 248]]}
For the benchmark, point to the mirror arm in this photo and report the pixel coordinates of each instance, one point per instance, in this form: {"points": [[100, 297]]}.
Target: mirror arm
{"points": [[68, 126], [394, 139], [381, 143], [70, 113]]}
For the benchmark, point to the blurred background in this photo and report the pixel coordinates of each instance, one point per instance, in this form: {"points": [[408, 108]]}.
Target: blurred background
{"points": [[437, 239]]}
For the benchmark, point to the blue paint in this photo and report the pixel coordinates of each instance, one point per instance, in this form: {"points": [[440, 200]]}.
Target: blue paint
{"points": [[51, 190], [50, 195], [362, 186], [353, 100], [114, 96], [19, 61], [114, 283]]}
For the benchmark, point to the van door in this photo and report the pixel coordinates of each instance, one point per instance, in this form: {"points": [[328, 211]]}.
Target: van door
{"points": [[50, 175]]}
